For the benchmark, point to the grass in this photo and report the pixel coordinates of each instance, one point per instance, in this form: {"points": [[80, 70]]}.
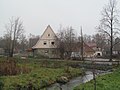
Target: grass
{"points": [[106, 82], [43, 73]]}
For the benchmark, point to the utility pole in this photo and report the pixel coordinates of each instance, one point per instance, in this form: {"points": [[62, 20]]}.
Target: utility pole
{"points": [[81, 45], [111, 42]]}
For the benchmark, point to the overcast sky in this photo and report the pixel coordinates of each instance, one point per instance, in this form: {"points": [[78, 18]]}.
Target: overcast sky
{"points": [[37, 14]]}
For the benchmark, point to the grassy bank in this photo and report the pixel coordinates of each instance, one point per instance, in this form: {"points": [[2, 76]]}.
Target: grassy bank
{"points": [[106, 82], [42, 74]]}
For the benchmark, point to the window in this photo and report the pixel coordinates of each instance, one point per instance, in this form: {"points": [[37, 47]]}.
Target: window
{"points": [[44, 43], [46, 51], [48, 34], [52, 43]]}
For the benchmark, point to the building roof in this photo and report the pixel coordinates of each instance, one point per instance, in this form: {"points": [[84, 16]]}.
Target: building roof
{"points": [[47, 37], [86, 47]]}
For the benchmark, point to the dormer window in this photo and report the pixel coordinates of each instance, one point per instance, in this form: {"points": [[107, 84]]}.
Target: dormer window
{"points": [[48, 35], [52, 43]]}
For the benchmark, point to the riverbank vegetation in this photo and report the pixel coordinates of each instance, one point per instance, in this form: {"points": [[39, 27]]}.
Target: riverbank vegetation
{"points": [[109, 81], [41, 73]]}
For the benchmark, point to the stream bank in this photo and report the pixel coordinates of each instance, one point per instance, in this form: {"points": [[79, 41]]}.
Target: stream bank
{"points": [[76, 81]]}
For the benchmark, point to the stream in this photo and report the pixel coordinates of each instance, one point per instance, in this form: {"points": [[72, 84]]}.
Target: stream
{"points": [[76, 81]]}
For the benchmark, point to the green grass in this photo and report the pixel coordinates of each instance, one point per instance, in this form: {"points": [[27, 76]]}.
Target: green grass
{"points": [[106, 82], [43, 73]]}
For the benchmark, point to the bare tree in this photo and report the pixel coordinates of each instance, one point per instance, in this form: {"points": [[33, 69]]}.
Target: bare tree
{"points": [[14, 30], [109, 22], [61, 44], [23, 43], [8, 40], [69, 41], [87, 38], [32, 40], [100, 40], [66, 41]]}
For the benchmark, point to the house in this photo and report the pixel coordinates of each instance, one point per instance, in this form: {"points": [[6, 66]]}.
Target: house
{"points": [[89, 50], [92, 50], [47, 44]]}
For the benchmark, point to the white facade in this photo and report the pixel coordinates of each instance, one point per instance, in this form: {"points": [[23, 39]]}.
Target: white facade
{"points": [[47, 44], [98, 53], [47, 40]]}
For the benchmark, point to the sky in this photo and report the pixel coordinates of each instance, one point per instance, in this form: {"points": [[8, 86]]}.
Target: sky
{"points": [[37, 14]]}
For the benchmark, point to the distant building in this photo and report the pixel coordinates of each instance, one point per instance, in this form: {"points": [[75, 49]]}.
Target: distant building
{"points": [[47, 44], [89, 50], [2, 51], [116, 49]]}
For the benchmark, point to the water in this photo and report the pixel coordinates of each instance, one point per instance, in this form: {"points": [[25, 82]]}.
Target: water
{"points": [[75, 81]]}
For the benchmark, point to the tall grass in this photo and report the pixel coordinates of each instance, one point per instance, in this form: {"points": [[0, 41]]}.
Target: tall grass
{"points": [[10, 67]]}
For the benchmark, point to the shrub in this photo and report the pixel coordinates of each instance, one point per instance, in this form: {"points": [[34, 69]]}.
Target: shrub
{"points": [[1, 85], [10, 67]]}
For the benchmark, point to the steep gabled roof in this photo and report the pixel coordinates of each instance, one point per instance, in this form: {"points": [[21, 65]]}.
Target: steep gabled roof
{"points": [[47, 35], [49, 29], [88, 48]]}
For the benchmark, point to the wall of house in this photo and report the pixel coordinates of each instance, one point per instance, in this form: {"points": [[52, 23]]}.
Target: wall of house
{"points": [[50, 53], [88, 54], [45, 43], [48, 34]]}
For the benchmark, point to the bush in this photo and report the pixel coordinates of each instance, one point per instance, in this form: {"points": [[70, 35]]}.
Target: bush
{"points": [[10, 67], [1, 85]]}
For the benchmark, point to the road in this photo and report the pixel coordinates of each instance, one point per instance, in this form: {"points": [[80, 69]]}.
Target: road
{"points": [[102, 61]]}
